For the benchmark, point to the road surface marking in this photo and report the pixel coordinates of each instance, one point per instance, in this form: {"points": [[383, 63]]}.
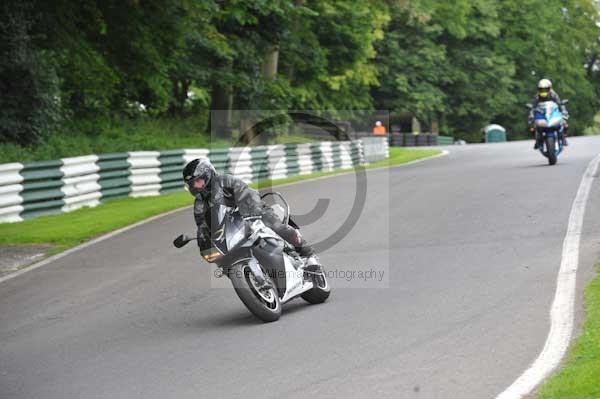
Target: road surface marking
{"points": [[562, 310]]}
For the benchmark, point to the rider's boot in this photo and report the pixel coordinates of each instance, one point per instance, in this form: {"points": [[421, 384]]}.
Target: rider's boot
{"points": [[311, 261], [538, 141], [313, 264], [564, 139], [304, 250]]}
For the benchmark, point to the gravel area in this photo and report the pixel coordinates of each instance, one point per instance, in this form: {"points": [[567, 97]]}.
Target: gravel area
{"points": [[15, 257]]}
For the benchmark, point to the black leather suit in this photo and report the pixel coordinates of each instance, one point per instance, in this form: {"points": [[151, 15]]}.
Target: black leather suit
{"points": [[231, 191]]}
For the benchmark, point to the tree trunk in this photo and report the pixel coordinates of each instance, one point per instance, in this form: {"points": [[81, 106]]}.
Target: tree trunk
{"points": [[183, 93], [220, 111], [174, 105], [269, 66], [247, 130]]}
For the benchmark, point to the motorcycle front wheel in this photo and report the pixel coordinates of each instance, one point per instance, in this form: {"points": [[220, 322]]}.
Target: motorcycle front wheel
{"points": [[264, 303], [551, 150]]}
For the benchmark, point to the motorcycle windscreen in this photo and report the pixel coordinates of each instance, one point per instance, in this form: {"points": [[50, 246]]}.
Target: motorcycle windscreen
{"points": [[547, 114], [552, 113], [555, 121], [235, 229], [217, 217], [279, 209]]}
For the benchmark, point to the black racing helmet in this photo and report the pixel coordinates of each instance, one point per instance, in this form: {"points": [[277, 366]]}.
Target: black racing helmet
{"points": [[198, 169]]}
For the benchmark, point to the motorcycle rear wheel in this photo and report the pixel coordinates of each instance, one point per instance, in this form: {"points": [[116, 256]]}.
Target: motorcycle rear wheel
{"points": [[320, 290]]}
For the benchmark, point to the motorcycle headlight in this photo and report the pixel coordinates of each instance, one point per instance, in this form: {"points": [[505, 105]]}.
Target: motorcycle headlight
{"points": [[211, 254]]}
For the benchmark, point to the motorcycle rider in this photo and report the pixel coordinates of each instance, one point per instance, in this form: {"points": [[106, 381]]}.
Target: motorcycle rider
{"points": [[210, 188], [545, 93]]}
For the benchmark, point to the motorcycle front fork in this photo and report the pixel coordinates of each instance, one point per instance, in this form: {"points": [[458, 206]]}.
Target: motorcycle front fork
{"points": [[540, 139]]}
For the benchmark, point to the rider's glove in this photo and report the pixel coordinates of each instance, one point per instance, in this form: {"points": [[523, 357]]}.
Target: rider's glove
{"points": [[253, 212], [251, 217], [203, 235]]}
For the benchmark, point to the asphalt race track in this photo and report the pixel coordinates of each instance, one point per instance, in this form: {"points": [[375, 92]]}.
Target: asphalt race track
{"points": [[442, 289]]}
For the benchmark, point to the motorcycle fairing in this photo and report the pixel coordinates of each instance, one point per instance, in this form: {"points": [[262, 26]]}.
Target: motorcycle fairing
{"points": [[547, 115]]}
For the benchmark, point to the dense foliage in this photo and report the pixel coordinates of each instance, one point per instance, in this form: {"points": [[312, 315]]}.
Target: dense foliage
{"points": [[463, 64]]}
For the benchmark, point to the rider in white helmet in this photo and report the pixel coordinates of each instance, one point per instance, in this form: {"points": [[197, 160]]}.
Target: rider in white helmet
{"points": [[545, 93]]}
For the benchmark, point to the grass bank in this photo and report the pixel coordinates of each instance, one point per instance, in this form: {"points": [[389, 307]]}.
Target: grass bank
{"points": [[112, 135], [579, 378], [69, 229], [121, 135]]}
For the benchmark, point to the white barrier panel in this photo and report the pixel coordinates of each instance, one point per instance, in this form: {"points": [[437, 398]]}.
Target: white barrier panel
{"points": [[327, 157], [9, 173], [375, 148], [277, 162], [305, 162], [80, 182], [240, 163], [191, 154], [345, 154], [144, 173], [10, 189]]}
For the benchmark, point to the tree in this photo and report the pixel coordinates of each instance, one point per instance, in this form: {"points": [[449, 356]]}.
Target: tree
{"points": [[481, 79], [474, 62], [29, 104]]}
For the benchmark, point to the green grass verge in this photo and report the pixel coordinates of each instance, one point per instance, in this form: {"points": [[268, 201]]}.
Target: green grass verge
{"points": [[398, 156], [580, 376], [69, 229], [99, 136]]}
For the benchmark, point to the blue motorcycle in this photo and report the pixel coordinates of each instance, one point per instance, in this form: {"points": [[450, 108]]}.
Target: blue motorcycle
{"points": [[549, 123]]}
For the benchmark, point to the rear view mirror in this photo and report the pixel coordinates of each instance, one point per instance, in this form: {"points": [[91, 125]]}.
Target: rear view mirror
{"points": [[528, 106], [565, 101], [181, 241]]}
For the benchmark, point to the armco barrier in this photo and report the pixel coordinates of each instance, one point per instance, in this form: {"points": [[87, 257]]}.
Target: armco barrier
{"points": [[114, 175], [445, 140], [423, 139], [40, 188], [10, 190], [80, 182], [42, 183], [145, 169], [373, 147]]}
